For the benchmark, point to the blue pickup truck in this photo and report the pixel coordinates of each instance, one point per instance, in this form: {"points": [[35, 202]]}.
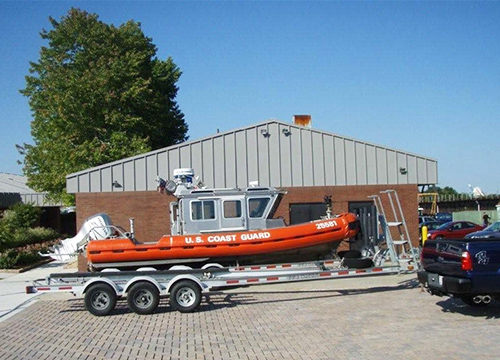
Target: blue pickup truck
{"points": [[467, 269]]}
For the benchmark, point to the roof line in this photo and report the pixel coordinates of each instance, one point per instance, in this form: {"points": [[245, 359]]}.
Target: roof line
{"points": [[267, 122]]}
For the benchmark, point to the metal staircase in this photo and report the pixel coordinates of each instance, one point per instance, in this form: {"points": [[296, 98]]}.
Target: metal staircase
{"points": [[399, 250]]}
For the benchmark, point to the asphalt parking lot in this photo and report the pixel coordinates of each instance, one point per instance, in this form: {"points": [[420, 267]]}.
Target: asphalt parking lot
{"points": [[386, 317]]}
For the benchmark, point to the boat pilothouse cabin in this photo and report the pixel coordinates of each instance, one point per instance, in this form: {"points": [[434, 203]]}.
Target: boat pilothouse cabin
{"points": [[200, 210]]}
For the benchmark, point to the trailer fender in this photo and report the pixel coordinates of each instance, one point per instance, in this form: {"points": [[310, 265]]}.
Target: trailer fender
{"points": [[185, 277], [101, 280], [212, 266], [142, 278]]}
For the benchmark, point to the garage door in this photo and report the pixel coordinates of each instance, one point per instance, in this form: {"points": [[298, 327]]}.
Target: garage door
{"points": [[305, 212]]}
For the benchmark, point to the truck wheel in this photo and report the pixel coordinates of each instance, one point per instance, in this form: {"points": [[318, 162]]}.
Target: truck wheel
{"points": [[143, 298], [100, 299], [185, 296]]}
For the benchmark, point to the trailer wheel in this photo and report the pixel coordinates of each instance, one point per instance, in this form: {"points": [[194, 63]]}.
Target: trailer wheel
{"points": [[143, 298], [100, 299], [358, 263], [349, 254], [185, 296]]}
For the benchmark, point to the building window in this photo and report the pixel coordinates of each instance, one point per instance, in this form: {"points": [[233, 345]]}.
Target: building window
{"points": [[232, 209], [203, 210], [257, 206]]}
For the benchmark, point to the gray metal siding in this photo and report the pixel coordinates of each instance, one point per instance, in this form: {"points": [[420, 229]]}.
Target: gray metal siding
{"points": [[129, 176], [318, 159], [219, 164], [275, 156], [402, 165], [117, 179], [274, 153], [106, 182], [340, 167], [151, 171], [140, 174], [360, 164], [329, 160], [421, 170], [307, 158], [208, 163], [252, 151], [371, 165], [381, 166], [285, 159], [230, 158], [35, 199], [185, 155], [296, 153], [241, 159], [432, 176], [263, 155], [392, 172]]}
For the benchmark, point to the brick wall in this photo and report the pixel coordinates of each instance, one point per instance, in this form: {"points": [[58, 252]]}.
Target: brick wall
{"points": [[342, 195], [149, 209]]}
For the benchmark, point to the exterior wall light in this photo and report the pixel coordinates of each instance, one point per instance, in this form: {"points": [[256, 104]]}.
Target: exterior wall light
{"points": [[265, 133], [286, 132], [403, 171]]}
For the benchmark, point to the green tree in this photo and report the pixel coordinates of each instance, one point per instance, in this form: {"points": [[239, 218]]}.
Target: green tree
{"points": [[447, 190], [98, 93]]}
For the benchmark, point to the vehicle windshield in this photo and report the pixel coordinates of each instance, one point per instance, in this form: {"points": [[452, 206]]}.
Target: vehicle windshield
{"points": [[444, 226], [493, 227]]}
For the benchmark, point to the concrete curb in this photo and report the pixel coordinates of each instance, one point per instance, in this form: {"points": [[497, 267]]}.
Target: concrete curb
{"points": [[27, 268]]}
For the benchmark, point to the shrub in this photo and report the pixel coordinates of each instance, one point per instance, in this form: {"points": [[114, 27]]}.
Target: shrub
{"points": [[16, 227], [8, 259], [20, 216], [23, 237], [20, 257]]}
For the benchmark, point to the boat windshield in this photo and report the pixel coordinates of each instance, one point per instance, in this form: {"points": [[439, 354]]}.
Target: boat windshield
{"points": [[257, 206]]}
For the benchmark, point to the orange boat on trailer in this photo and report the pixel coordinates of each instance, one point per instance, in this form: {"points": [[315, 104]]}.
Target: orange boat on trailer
{"points": [[212, 225], [229, 245]]}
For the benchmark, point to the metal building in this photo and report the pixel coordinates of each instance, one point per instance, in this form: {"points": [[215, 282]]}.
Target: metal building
{"points": [[13, 189], [273, 153], [308, 164]]}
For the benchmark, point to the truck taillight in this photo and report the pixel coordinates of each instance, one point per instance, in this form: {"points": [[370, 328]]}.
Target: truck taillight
{"points": [[466, 261]]}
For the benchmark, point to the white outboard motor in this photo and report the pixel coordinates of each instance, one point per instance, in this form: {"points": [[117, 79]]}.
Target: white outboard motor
{"points": [[97, 227]]}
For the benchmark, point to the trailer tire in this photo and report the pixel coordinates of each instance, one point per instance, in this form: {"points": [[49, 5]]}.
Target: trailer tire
{"points": [[185, 296], [143, 298], [358, 263], [349, 254], [100, 299]]}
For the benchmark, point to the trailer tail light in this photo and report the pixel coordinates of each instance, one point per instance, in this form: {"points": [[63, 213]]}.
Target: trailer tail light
{"points": [[466, 261]]}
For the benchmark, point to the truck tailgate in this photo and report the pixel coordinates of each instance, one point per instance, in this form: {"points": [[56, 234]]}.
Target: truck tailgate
{"points": [[444, 257]]}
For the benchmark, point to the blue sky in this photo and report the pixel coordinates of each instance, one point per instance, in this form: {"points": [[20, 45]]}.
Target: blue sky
{"points": [[423, 77]]}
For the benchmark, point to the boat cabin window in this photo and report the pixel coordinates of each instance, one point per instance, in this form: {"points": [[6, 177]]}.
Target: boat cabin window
{"points": [[232, 209], [203, 210], [257, 206]]}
